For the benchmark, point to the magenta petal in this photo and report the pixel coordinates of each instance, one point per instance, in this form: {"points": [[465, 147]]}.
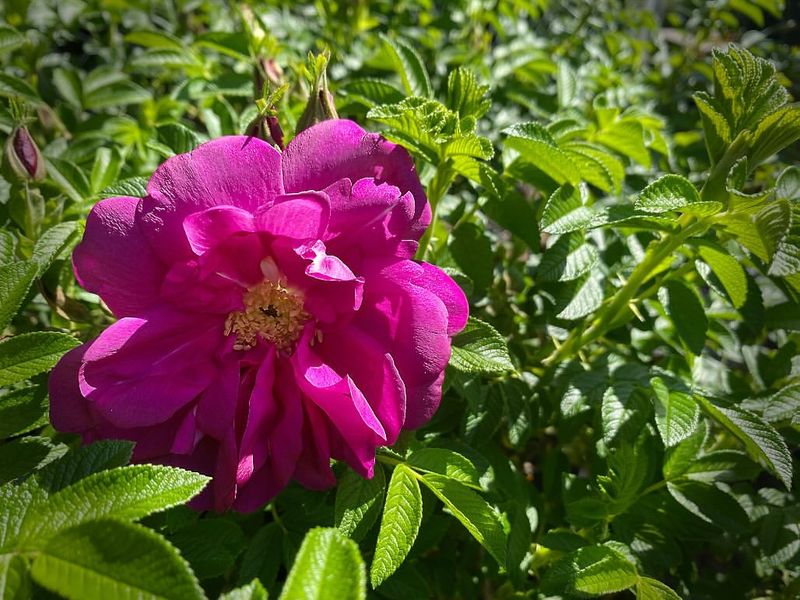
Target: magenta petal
{"points": [[352, 351], [114, 259], [69, 410], [344, 404], [167, 358], [235, 170], [438, 282], [339, 149], [313, 468], [207, 228], [324, 266], [301, 216]]}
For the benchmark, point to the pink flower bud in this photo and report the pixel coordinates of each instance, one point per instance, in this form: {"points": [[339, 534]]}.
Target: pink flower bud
{"points": [[23, 155]]}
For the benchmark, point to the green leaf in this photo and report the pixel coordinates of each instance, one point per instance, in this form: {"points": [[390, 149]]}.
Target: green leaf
{"points": [[479, 348], [760, 439], [597, 166], [585, 295], [111, 559], [711, 504], [51, 243], [68, 83], [687, 314], [23, 455], [626, 136], [263, 556], [154, 39], [592, 570], [358, 502], [677, 413], [117, 94], [668, 193], [106, 167], [721, 465], [127, 493], [69, 178], [83, 461], [29, 354], [178, 138], [474, 513], [652, 589], [22, 410], [570, 257], [11, 86], [135, 187], [252, 591], [566, 211], [465, 95], [472, 251], [729, 271], [15, 281], [8, 244], [15, 502], [14, 578], [10, 39], [784, 404], [786, 260], [234, 44], [410, 66], [445, 462], [402, 515], [537, 146], [211, 546], [373, 92], [327, 567]]}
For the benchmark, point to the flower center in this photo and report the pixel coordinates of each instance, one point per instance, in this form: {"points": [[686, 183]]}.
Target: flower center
{"points": [[272, 312]]}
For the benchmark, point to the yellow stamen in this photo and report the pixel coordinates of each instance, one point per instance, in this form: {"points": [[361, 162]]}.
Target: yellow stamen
{"points": [[272, 312]]}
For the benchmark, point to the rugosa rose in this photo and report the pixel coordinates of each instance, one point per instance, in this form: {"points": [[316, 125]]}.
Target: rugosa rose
{"points": [[270, 315]]}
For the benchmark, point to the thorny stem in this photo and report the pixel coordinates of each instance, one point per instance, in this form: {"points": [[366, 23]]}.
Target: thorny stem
{"points": [[608, 314]]}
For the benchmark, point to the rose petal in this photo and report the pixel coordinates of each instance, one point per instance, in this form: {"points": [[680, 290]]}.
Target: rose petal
{"points": [[114, 259]]}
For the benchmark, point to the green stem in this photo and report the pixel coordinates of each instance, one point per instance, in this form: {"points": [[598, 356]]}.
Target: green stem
{"points": [[436, 190], [608, 314]]}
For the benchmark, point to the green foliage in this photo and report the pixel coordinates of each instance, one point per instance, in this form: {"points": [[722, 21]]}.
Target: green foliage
{"points": [[621, 414]]}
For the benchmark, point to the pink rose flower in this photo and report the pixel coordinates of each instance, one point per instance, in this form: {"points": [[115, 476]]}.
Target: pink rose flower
{"points": [[270, 315]]}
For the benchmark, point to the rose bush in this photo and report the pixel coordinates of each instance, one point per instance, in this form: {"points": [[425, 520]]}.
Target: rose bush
{"points": [[271, 315]]}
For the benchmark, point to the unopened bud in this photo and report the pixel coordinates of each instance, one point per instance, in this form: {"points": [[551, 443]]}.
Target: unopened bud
{"points": [[266, 128], [321, 106], [23, 155]]}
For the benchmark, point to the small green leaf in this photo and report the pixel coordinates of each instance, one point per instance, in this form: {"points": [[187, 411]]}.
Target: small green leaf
{"points": [[135, 187], [677, 413], [592, 570], [211, 546], [328, 566], [154, 39], [479, 348], [10, 39], [70, 178], [11, 86], [252, 591], [566, 211], [687, 314], [127, 493], [22, 410], [570, 257], [538, 147], [14, 579], [668, 193], [729, 271], [15, 281], [402, 515], [465, 95], [711, 504], [474, 513], [410, 66], [178, 138], [358, 502], [472, 251], [51, 243], [106, 167], [29, 354], [760, 439], [82, 462], [584, 296], [110, 559], [445, 462], [263, 556], [652, 589]]}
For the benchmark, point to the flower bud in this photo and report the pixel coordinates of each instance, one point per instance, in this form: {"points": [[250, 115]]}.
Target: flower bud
{"points": [[23, 155], [321, 106]]}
